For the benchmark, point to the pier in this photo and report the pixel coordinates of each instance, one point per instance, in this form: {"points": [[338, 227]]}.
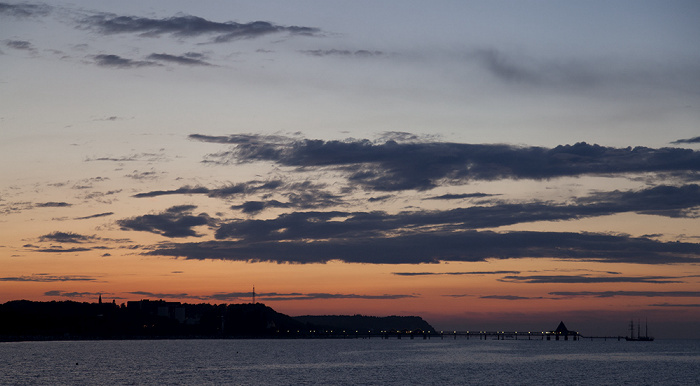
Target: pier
{"points": [[560, 333], [476, 335]]}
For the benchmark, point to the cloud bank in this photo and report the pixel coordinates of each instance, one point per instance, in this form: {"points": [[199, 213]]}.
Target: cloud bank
{"points": [[395, 166]]}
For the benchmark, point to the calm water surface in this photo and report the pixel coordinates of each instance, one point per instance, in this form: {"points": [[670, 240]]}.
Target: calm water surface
{"points": [[351, 361]]}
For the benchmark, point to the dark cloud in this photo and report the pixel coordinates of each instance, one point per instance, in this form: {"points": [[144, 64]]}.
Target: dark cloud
{"points": [[344, 53], [60, 249], [380, 198], [189, 26], [107, 119], [661, 200], [303, 195], [587, 279], [460, 196], [246, 139], [117, 61], [269, 296], [319, 296], [307, 195], [145, 157], [648, 294], [674, 305], [222, 192], [43, 277], [689, 140], [393, 166], [671, 201], [432, 247], [479, 273], [137, 175], [24, 10], [20, 45], [182, 190], [66, 237], [529, 72], [72, 294], [52, 204], [176, 221], [95, 216], [509, 297], [194, 55], [229, 296], [183, 60], [252, 207], [579, 75]]}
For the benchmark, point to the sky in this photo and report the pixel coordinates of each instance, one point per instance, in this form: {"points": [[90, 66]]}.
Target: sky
{"points": [[482, 164]]}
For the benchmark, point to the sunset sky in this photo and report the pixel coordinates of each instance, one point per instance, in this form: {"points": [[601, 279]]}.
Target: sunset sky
{"points": [[482, 164]]}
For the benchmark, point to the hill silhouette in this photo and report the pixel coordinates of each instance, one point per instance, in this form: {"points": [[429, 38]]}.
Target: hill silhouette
{"points": [[153, 319], [363, 323]]}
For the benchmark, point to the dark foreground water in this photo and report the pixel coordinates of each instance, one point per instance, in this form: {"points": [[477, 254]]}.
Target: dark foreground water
{"points": [[351, 361]]}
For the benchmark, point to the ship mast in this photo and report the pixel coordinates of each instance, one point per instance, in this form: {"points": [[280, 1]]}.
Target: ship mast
{"points": [[639, 328], [631, 329]]}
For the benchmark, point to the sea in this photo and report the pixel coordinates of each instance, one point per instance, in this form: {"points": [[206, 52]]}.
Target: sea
{"points": [[373, 361]]}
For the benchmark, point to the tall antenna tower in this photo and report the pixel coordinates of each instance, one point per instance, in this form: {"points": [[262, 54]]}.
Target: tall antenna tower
{"points": [[253, 294]]}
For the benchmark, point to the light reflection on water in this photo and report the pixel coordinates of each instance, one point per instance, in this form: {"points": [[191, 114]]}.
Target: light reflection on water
{"points": [[351, 361]]}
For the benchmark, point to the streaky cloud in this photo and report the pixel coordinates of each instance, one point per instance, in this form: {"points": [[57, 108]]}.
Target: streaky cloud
{"points": [[663, 200], [222, 192], [522, 71], [20, 45], [65, 237], [579, 75], [64, 250], [478, 273], [182, 190], [24, 10], [648, 294], [95, 216], [251, 207], [460, 196], [182, 59], [344, 53], [52, 204], [44, 278], [189, 26], [322, 296], [117, 61], [688, 140], [305, 195], [675, 305], [72, 294], [161, 295], [509, 297], [148, 157], [586, 279]]}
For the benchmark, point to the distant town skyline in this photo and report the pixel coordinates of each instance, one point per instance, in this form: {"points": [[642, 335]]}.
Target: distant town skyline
{"points": [[480, 164]]}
